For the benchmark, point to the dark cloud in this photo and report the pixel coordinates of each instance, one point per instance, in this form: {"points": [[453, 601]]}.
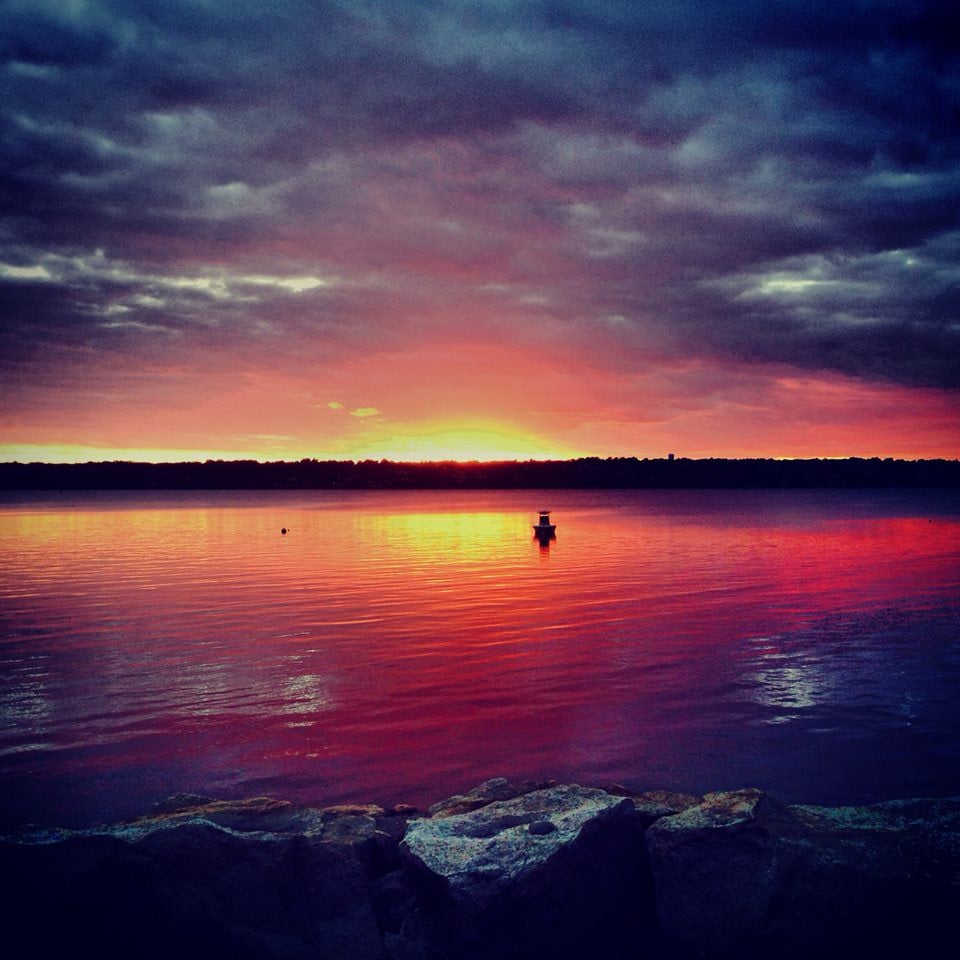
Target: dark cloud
{"points": [[771, 182]]}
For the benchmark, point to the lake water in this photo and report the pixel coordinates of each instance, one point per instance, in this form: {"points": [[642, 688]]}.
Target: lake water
{"points": [[405, 646]]}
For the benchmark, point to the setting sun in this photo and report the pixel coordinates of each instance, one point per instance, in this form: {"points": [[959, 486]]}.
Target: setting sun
{"points": [[472, 441]]}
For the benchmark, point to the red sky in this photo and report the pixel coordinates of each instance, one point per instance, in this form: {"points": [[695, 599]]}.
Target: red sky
{"points": [[473, 401], [421, 232]]}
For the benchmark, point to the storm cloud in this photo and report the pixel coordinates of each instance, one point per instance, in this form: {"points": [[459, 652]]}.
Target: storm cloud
{"points": [[192, 186]]}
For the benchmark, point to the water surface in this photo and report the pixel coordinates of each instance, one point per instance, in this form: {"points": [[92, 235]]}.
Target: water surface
{"points": [[403, 646]]}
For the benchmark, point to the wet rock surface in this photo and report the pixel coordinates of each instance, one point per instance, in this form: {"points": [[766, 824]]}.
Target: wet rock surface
{"points": [[504, 870]]}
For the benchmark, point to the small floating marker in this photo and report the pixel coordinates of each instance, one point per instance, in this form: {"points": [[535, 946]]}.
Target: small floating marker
{"points": [[545, 529], [283, 530]]}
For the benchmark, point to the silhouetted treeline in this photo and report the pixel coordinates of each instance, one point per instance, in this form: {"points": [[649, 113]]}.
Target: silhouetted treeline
{"points": [[588, 472]]}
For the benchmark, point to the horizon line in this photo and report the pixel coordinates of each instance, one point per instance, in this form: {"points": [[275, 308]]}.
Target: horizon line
{"points": [[473, 462]]}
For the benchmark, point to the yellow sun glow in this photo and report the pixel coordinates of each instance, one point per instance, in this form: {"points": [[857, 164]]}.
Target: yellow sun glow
{"points": [[78, 453], [447, 440], [450, 442]]}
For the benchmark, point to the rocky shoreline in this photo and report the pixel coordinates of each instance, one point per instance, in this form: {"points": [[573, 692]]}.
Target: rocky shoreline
{"points": [[507, 870]]}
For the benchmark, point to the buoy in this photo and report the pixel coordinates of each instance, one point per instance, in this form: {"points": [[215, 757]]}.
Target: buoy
{"points": [[283, 530]]}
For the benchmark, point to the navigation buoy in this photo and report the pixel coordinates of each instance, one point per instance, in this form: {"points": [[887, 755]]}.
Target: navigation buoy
{"points": [[283, 530]]}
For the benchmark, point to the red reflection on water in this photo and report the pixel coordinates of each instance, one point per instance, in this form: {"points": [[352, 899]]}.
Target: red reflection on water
{"points": [[401, 647]]}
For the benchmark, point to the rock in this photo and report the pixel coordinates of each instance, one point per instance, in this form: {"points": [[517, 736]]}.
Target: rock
{"points": [[393, 900], [558, 871], [179, 802], [211, 871], [251, 814], [191, 888], [499, 788], [506, 890], [651, 805], [615, 789], [528, 786], [400, 948], [540, 828], [349, 829], [714, 870], [352, 810], [489, 843], [342, 823], [743, 873]]}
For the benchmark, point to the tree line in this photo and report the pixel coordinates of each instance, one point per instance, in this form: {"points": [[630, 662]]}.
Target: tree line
{"points": [[586, 472]]}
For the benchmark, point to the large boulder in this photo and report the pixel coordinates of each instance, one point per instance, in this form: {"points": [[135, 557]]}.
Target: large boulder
{"points": [[555, 872], [182, 884], [742, 874], [715, 868]]}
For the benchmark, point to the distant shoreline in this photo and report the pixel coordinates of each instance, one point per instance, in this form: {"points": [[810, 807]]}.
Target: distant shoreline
{"points": [[585, 473]]}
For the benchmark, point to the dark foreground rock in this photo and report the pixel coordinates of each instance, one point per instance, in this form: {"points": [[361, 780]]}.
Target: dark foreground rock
{"points": [[743, 874], [247, 880], [505, 870]]}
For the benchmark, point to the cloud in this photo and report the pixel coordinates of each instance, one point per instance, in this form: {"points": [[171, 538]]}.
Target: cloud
{"points": [[238, 187]]}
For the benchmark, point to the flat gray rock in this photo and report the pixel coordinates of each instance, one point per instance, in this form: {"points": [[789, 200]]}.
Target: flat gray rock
{"points": [[495, 843], [555, 872]]}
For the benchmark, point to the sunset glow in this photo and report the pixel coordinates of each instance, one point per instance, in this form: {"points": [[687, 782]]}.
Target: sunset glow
{"points": [[558, 234], [460, 442]]}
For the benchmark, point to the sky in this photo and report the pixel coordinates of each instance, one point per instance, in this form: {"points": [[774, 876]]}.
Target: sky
{"points": [[479, 229]]}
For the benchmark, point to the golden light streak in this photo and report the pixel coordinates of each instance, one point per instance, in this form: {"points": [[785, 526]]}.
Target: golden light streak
{"points": [[451, 441]]}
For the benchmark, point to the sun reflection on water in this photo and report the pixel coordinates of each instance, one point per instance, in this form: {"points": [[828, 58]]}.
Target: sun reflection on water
{"points": [[403, 645]]}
